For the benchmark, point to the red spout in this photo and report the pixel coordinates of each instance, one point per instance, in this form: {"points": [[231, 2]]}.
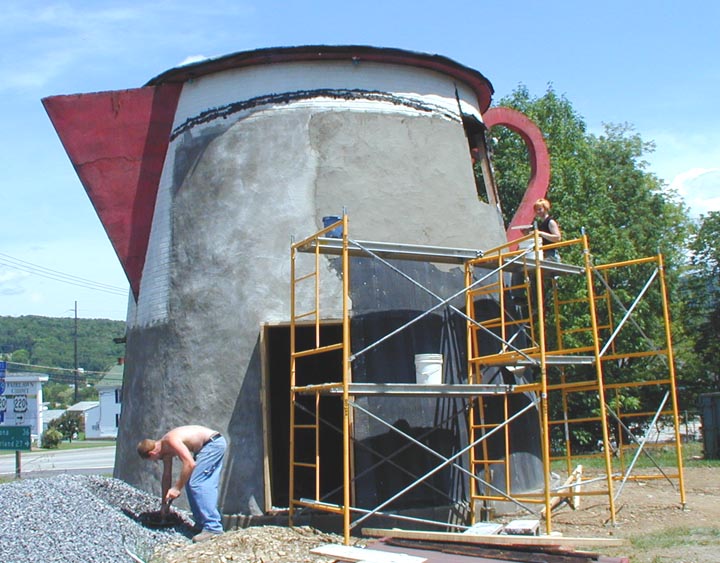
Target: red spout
{"points": [[117, 143]]}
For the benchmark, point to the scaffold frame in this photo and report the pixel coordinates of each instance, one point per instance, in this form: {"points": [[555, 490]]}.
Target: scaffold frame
{"points": [[547, 352]]}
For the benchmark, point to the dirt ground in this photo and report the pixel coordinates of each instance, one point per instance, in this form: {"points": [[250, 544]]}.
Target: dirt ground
{"points": [[648, 513]]}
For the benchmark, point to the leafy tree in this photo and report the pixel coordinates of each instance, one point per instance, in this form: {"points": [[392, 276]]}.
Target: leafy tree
{"points": [[565, 135], [86, 392], [69, 424], [61, 395], [21, 356], [600, 185], [49, 341], [701, 299], [58, 395]]}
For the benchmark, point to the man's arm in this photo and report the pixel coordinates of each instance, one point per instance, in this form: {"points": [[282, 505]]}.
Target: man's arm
{"points": [[185, 456], [554, 234], [166, 480]]}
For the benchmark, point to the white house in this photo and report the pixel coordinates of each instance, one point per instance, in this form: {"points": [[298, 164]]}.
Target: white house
{"points": [[110, 397], [90, 412]]}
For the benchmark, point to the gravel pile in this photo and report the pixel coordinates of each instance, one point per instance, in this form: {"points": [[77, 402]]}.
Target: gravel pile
{"points": [[79, 518]]}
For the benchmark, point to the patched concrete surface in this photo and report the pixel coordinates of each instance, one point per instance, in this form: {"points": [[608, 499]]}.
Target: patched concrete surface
{"points": [[234, 207]]}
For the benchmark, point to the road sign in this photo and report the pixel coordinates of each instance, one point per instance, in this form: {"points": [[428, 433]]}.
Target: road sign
{"points": [[15, 438]]}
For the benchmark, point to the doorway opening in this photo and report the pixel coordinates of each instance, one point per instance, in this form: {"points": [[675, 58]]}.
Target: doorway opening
{"points": [[323, 368]]}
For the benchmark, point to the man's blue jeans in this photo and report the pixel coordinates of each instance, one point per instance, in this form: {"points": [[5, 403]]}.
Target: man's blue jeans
{"points": [[202, 488]]}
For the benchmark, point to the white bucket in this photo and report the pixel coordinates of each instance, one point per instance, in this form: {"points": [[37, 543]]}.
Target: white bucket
{"points": [[428, 368]]}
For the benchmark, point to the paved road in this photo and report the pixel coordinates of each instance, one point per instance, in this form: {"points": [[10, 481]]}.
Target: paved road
{"points": [[98, 460]]}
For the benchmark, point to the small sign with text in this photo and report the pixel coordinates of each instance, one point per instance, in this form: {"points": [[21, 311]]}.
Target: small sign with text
{"points": [[15, 438]]}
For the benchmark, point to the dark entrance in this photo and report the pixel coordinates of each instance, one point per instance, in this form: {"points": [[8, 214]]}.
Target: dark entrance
{"points": [[323, 368]]}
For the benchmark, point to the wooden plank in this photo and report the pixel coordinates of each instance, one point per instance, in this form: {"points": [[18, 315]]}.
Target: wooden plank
{"points": [[522, 528], [574, 496], [444, 552], [265, 411], [456, 552], [360, 555], [568, 493], [494, 539], [484, 529]]}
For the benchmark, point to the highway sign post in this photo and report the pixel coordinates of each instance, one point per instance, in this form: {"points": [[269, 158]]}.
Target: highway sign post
{"points": [[15, 438]]}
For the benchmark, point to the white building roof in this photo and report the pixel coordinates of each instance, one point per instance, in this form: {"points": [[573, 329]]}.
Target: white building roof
{"points": [[83, 406]]}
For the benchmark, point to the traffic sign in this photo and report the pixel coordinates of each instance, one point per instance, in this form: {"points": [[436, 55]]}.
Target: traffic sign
{"points": [[15, 438]]}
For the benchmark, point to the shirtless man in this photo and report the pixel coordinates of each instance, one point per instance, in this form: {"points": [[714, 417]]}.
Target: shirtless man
{"points": [[200, 451]]}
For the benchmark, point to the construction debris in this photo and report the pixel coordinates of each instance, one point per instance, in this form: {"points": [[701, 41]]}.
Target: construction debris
{"points": [[358, 554], [522, 528], [509, 545], [495, 539], [570, 488], [448, 552]]}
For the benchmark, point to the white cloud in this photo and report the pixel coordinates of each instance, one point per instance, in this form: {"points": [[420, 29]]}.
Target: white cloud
{"points": [[676, 152], [48, 40], [10, 276], [11, 281], [688, 159], [45, 293], [700, 188], [193, 59]]}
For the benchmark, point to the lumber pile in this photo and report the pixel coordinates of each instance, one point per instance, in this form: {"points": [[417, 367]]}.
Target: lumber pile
{"points": [[441, 547]]}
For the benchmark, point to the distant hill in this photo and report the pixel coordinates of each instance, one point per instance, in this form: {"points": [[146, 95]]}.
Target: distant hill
{"points": [[49, 341]]}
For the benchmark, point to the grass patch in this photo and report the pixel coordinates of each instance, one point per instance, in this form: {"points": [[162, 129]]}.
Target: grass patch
{"points": [[662, 454], [677, 537], [75, 445], [695, 450], [78, 445]]}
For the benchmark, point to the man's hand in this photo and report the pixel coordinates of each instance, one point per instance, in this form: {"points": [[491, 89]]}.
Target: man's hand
{"points": [[171, 495]]}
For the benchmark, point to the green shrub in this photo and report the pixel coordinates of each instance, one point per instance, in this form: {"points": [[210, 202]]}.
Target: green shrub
{"points": [[51, 439]]}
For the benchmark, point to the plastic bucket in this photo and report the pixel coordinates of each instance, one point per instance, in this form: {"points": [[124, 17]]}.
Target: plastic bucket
{"points": [[329, 220], [428, 368]]}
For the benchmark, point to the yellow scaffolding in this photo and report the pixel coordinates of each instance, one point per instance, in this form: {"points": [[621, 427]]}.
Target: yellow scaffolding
{"points": [[572, 364], [298, 388], [528, 336]]}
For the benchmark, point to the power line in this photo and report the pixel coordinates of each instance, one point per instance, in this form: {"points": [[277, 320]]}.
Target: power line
{"points": [[55, 275], [51, 368], [64, 372]]}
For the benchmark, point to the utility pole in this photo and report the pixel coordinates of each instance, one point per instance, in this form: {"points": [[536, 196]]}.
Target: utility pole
{"points": [[75, 339]]}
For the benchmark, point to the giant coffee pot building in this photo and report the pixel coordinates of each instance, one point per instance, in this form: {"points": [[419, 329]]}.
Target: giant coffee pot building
{"points": [[205, 176]]}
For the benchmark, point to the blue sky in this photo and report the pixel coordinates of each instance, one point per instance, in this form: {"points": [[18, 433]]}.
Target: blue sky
{"points": [[652, 64]]}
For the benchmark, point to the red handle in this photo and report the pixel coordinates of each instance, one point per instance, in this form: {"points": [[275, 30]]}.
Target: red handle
{"points": [[539, 162]]}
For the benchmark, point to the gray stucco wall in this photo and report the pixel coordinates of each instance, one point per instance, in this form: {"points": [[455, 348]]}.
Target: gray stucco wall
{"points": [[240, 191]]}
